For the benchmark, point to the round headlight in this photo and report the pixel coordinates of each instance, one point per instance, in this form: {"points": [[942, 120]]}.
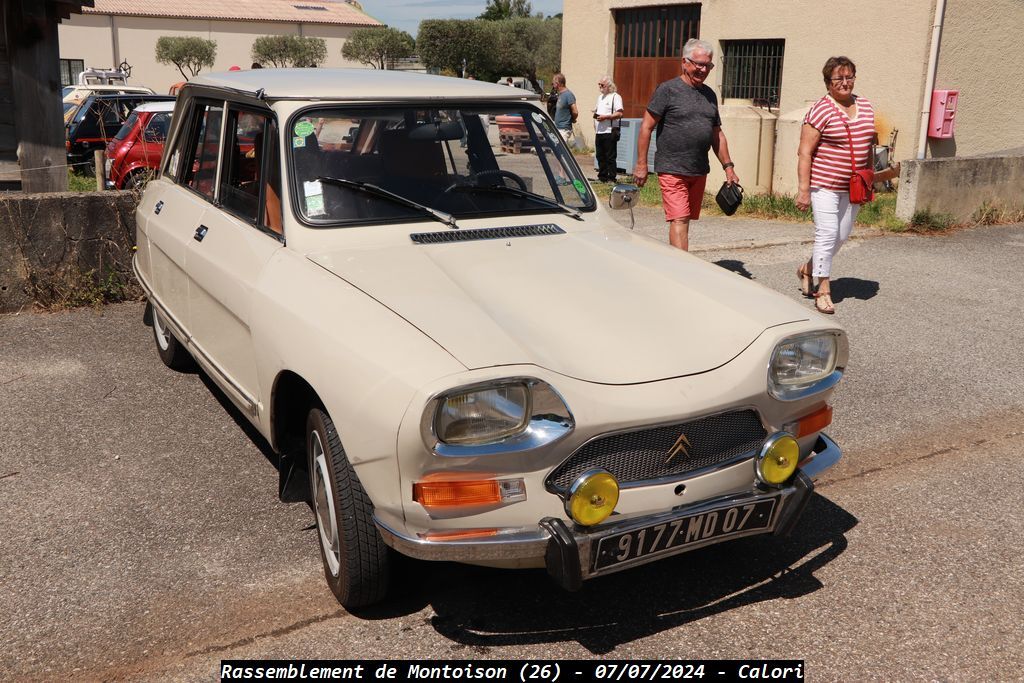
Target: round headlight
{"points": [[778, 458], [484, 414], [592, 497]]}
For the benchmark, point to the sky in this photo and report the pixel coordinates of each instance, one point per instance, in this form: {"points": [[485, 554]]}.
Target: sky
{"points": [[407, 14]]}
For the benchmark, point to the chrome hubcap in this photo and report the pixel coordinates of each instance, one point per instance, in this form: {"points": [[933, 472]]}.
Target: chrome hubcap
{"points": [[163, 335], [323, 504]]}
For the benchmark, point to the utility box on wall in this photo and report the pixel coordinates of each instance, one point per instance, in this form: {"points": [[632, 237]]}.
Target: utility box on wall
{"points": [[941, 122]]}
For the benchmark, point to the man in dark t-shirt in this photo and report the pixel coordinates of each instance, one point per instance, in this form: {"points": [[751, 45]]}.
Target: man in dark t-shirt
{"points": [[685, 113]]}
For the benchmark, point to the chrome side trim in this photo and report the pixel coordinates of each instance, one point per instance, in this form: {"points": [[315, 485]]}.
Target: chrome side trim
{"points": [[245, 400], [824, 455]]}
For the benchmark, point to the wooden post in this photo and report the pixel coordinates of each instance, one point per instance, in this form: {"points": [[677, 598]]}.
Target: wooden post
{"points": [[35, 84], [101, 169]]}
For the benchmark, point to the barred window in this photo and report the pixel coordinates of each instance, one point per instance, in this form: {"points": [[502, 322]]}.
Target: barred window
{"points": [[655, 31], [69, 70], [752, 70]]}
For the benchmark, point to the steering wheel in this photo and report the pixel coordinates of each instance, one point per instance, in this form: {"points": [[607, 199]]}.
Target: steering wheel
{"points": [[493, 172], [500, 173]]}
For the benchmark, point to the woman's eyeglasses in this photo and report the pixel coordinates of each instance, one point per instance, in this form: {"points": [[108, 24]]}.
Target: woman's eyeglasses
{"points": [[843, 79]]}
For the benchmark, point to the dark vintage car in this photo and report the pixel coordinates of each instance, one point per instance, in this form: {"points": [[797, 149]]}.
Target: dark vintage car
{"points": [[97, 121]]}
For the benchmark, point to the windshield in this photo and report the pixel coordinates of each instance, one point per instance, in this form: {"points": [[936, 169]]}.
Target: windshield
{"points": [[447, 159]]}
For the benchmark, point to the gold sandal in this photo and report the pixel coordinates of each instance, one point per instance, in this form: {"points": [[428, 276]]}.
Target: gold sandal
{"points": [[823, 303], [806, 281]]}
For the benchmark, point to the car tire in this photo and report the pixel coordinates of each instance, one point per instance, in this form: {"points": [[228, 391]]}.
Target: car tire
{"points": [[357, 563], [172, 352]]}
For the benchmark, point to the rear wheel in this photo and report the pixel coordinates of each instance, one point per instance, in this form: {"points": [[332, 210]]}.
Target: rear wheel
{"points": [[357, 563], [171, 351]]}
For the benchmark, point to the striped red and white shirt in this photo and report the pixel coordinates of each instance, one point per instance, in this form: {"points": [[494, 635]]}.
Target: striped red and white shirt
{"points": [[830, 164]]}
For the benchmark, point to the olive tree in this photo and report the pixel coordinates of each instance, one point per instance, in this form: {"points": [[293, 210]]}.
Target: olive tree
{"points": [[186, 52], [451, 44], [506, 9], [289, 51], [378, 46], [528, 46]]}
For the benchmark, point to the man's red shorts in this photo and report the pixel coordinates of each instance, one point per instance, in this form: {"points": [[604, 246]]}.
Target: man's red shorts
{"points": [[681, 195]]}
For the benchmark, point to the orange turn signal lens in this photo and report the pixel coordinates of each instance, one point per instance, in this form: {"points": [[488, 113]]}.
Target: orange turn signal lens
{"points": [[456, 534], [814, 422], [468, 493]]}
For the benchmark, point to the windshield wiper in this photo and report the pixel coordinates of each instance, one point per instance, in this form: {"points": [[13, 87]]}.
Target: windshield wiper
{"points": [[377, 191], [505, 189]]}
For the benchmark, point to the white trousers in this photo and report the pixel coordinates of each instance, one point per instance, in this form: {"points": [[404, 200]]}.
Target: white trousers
{"points": [[833, 223]]}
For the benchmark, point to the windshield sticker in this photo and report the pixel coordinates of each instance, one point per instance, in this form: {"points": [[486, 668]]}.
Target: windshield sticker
{"points": [[314, 193], [298, 142], [580, 187], [303, 128], [538, 117]]}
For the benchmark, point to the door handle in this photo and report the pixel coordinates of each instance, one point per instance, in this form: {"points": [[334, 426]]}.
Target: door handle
{"points": [[159, 206], [201, 233]]}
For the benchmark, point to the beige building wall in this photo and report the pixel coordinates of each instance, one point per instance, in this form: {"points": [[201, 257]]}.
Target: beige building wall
{"points": [[982, 56], [104, 41], [889, 42]]}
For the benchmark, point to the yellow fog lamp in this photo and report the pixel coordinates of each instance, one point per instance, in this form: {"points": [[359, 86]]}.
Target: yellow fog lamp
{"points": [[592, 497], [778, 458]]}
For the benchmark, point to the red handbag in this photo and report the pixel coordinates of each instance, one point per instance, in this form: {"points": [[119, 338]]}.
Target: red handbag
{"points": [[862, 180]]}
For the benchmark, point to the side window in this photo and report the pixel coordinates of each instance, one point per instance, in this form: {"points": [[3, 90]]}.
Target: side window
{"points": [[243, 164], [110, 117], [199, 170], [156, 129], [88, 122], [251, 175]]}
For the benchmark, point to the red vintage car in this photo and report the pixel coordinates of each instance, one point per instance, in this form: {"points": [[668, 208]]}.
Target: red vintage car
{"points": [[133, 155]]}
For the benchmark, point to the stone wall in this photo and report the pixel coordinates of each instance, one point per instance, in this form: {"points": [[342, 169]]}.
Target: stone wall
{"points": [[65, 248], [962, 187]]}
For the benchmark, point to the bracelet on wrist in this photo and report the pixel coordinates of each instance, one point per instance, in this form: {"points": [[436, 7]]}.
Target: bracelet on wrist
{"points": [[728, 165]]}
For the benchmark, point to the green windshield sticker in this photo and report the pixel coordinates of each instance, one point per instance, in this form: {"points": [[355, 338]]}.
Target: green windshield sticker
{"points": [[298, 142], [580, 187], [303, 128]]}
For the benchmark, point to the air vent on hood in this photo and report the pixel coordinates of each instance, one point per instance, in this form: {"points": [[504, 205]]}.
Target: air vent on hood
{"points": [[486, 233]]}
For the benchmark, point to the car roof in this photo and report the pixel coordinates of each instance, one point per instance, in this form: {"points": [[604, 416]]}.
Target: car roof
{"points": [[160, 105], [112, 88], [133, 96], [356, 84]]}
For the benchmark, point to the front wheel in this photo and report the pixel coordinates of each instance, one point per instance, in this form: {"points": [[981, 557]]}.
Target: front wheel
{"points": [[357, 563]]}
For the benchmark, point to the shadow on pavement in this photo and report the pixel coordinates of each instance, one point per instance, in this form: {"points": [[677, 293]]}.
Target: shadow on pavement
{"points": [[738, 267], [853, 288], [482, 608]]}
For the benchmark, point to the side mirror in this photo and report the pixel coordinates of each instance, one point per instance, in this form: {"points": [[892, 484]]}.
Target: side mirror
{"points": [[623, 196]]}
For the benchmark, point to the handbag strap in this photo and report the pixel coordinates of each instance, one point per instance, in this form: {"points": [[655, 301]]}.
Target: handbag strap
{"points": [[849, 136]]}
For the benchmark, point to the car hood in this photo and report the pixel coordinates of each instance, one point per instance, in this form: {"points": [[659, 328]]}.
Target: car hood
{"points": [[604, 306]]}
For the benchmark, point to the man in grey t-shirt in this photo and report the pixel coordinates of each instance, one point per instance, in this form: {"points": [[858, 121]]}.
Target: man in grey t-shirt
{"points": [[566, 111], [685, 113]]}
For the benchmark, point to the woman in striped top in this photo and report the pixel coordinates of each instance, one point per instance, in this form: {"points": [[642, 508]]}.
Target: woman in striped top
{"points": [[824, 171]]}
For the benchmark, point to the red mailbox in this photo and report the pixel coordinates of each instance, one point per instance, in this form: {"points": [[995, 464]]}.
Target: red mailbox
{"points": [[941, 121]]}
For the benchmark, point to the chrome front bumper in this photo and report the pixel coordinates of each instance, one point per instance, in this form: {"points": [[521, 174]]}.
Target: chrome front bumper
{"points": [[570, 554]]}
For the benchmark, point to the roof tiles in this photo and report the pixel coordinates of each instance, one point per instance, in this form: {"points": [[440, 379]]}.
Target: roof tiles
{"points": [[304, 11]]}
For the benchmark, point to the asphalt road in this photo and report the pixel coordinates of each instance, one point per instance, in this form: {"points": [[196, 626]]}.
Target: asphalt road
{"points": [[143, 539]]}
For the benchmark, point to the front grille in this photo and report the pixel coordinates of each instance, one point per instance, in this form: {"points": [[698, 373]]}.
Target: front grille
{"points": [[644, 455], [486, 233]]}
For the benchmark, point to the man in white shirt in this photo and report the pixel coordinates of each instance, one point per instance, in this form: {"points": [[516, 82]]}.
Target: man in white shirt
{"points": [[607, 113]]}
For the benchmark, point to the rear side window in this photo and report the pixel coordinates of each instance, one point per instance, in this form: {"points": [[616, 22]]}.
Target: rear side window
{"points": [[133, 118], [199, 171]]}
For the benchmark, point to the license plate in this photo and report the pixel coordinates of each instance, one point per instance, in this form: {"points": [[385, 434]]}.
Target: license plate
{"points": [[691, 530]]}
